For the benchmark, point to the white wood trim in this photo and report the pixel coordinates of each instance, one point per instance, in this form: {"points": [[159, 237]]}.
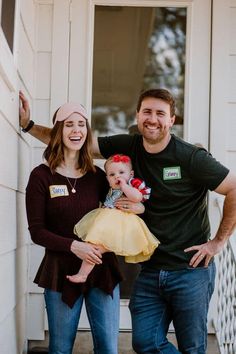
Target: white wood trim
{"points": [[44, 2], [60, 58], [220, 78], [197, 78], [142, 3], [81, 61]]}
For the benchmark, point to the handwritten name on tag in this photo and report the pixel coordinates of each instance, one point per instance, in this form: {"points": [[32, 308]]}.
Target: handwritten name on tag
{"points": [[171, 173], [58, 191]]}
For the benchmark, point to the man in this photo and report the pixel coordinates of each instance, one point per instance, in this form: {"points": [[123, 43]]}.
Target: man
{"points": [[178, 281]]}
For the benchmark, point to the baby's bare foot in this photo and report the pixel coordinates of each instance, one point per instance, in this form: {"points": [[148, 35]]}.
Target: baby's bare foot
{"points": [[77, 278]]}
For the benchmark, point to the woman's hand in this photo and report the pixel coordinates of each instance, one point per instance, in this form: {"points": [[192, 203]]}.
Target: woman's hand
{"points": [[24, 111], [125, 204], [87, 252]]}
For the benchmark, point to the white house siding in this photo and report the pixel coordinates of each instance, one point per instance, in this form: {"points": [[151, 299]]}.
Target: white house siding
{"points": [[16, 71], [41, 113], [223, 89]]}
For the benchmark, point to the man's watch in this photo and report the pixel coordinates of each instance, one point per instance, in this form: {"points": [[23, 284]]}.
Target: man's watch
{"points": [[28, 127]]}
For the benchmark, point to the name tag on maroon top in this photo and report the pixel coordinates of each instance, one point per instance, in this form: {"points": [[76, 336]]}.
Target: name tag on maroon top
{"points": [[58, 190]]}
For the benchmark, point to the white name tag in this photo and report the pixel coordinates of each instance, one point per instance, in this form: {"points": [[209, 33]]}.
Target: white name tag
{"points": [[58, 190], [171, 173]]}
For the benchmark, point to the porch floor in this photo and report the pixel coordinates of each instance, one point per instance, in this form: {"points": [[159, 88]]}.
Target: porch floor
{"points": [[83, 344]]}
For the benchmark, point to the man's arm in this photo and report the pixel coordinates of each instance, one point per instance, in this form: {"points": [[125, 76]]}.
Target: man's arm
{"points": [[37, 131], [226, 227]]}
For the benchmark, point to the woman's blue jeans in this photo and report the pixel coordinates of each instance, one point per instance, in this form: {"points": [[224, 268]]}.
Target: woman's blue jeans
{"points": [[162, 296], [103, 315]]}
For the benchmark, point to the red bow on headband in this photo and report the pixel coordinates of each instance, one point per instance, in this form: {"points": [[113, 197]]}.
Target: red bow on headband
{"points": [[120, 158]]}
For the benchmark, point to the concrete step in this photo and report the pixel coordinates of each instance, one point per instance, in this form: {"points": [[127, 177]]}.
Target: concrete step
{"points": [[84, 344]]}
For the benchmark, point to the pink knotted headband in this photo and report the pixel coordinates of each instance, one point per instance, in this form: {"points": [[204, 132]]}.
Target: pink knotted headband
{"points": [[67, 109]]}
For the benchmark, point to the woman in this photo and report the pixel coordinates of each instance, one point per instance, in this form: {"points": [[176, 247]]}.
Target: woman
{"points": [[59, 193]]}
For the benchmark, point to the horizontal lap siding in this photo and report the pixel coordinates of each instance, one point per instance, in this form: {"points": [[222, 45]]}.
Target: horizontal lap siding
{"points": [[16, 71]]}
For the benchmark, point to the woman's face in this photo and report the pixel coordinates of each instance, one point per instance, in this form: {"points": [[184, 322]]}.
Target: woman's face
{"points": [[74, 132]]}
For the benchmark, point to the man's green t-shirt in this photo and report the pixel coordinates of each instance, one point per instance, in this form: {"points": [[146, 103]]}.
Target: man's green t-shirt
{"points": [[179, 178]]}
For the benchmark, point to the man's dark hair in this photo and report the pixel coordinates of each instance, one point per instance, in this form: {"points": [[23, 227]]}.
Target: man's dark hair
{"points": [[162, 94]]}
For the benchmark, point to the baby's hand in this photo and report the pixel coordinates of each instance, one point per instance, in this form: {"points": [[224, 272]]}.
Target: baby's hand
{"points": [[121, 182]]}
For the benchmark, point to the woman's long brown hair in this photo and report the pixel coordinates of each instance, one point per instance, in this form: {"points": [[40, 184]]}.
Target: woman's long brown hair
{"points": [[54, 153]]}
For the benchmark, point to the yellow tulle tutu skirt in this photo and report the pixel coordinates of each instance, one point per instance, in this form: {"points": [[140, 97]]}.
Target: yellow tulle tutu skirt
{"points": [[121, 232]]}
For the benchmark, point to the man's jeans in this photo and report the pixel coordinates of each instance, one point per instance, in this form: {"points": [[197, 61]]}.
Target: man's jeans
{"points": [[103, 315], [162, 296]]}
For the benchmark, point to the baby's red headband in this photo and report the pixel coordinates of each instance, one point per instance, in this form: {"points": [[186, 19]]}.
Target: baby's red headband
{"points": [[120, 158]]}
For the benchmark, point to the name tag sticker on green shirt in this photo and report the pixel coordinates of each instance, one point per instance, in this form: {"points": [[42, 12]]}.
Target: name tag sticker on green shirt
{"points": [[170, 173], [58, 191]]}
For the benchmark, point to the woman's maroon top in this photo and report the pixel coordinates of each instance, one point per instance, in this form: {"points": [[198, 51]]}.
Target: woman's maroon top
{"points": [[52, 212]]}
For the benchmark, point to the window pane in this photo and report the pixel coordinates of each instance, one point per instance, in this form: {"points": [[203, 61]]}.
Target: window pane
{"points": [[135, 48]]}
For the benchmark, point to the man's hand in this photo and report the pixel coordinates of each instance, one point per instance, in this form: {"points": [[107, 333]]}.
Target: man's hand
{"points": [[24, 111], [125, 204], [205, 252]]}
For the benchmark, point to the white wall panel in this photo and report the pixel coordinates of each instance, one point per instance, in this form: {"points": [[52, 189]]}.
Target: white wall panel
{"points": [[8, 278], [8, 335], [24, 164], [7, 221], [21, 267], [13, 331], [232, 78], [36, 316], [7, 68], [8, 156], [44, 33], [43, 75], [28, 15], [232, 31], [37, 157], [231, 127], [42, 112], [26, 59], [21, 221], [9, 106], [231, 158]]}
